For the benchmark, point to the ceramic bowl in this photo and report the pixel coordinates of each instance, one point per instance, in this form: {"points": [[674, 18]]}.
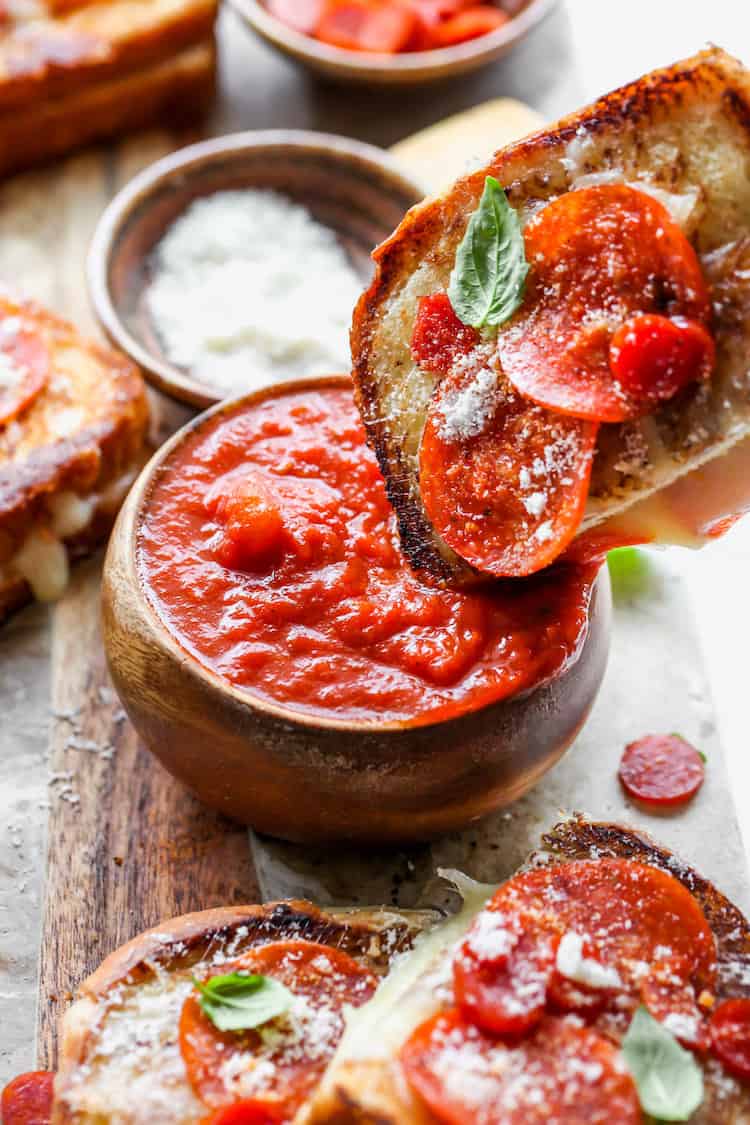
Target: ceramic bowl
{"points": [[392, 70], [355, 189], [307, 778]]}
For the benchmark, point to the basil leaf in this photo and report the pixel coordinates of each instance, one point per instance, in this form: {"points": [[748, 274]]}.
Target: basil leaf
{"points": [[668, 1079], [237, 1003], [486, 285], [630, 573]]}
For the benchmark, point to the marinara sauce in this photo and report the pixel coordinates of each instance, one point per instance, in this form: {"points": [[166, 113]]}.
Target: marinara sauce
{"points": [[270, 550]]}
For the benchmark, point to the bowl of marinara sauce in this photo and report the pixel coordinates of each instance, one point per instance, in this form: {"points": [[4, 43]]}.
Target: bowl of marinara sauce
{"points": [[278, 655]]}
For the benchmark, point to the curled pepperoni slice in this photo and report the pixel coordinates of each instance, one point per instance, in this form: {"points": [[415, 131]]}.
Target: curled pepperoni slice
{"points": [[27, 1100], [24, 369], [276, 1066], [622, 915], [598, 257], [563, 1073], [439, 338], [730, 1036], [670, 998], [503, 482], [661, 769]]}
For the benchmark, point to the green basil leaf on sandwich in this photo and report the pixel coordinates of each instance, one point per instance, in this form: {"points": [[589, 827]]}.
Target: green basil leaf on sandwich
{"points": [[667, 1077], [238, 1003]]}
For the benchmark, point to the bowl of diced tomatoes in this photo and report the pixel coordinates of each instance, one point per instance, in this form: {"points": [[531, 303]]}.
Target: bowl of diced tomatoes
{"points": [[393, 41]]}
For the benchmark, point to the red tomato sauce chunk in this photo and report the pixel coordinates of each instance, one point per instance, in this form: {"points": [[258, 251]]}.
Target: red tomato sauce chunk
{"points": [[270, 550]]}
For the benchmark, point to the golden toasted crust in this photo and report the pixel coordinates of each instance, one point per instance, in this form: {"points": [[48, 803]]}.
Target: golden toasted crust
{"points": [[166, 954], [375, 1093], [684, 131], [83, 435]]}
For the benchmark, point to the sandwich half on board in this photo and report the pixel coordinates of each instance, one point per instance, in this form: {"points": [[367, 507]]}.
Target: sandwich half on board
{"points": [[557, 349]]}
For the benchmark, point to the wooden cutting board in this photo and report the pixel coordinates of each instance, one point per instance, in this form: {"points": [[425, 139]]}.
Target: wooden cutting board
{"points": [[128, 847]]}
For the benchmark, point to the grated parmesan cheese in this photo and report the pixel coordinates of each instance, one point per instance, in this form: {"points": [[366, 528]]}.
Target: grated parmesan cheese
{"points": [[468, 410], [572, 964], [248, 287]]}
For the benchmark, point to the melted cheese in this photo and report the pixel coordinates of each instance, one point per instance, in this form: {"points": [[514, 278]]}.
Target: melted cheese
{"points": [[43, 563]]}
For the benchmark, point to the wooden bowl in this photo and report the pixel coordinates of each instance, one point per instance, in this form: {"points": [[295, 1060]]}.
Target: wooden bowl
{"points": [[307, 778], [355, 189], [392, 70]]}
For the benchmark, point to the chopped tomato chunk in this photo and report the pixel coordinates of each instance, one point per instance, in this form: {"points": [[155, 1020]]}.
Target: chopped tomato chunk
{"points": [[469, 24], [503, 482], [730, 1036], [302, 15], [27, 1100], [439, 338], [358, 25], [599, 257], [661, 769], [324, 981], [253, 525], [652, 357], [562, 1073]]}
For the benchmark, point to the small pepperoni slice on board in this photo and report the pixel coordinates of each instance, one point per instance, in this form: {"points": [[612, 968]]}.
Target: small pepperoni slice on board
{"points": [[624, 914], [439, 338], [504, 482], [24, 369], [661, 769], [27, 1100], [600, 256], [564, 1074], [730, 1036], [286, 1063]]}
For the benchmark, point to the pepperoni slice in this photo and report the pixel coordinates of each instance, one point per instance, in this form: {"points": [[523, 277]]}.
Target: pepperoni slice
{"points": [[598, 256], [661, 769], [358, 25], [670, 998], [503, 482], [276, 1066], [24, 368], [469, 24], [626, 916], [564, 1073], [27, 1100], [730, 1036], [439, 338], [250, 1111]]}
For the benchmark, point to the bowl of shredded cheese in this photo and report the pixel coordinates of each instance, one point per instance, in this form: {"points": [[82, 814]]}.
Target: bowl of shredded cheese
{"points": [[236, 262]]}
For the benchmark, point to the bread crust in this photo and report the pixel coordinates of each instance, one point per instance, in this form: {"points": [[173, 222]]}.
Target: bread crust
{"points": [[684, 131], [84, 434], [372, 936], [370, 1093]]}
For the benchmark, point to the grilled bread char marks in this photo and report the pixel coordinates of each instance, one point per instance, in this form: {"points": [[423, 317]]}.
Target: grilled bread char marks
{"points": [[119, 1053], [66, 460], [369, 1089], [681, 133]]}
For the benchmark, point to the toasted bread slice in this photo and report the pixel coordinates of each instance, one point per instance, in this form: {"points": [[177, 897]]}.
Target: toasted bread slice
{"points": [[67, 459], [119, 1055], [77, 73], [682, 134], [364, 1084]]}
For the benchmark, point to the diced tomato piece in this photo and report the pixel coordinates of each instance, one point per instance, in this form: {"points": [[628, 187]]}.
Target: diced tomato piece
{"points": [[302, 15], [563, 1073], [439, 338], [359, 25], [250, 1111], [661, 769], [598, 257], [469, 24], [321, 978], [652, 357], [27, 1100], [504, 482], [670, 998], [253, 525], [730, 1036]]}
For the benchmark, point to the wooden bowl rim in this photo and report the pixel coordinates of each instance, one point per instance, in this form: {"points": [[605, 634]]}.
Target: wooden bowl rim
{"points": [[138, 192], [128, 528], [412, 66]]}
